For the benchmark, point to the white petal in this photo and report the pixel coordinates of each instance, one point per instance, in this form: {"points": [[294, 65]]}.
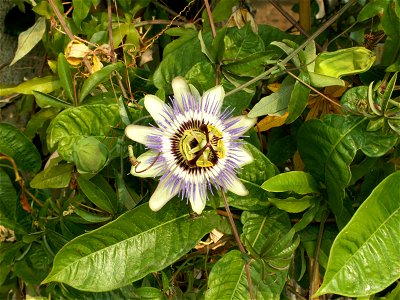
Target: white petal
{"points": [[161, 196], [182, 89], [194, 91], [147, 166], [212, 99], [245, 157], [139, 133], [243, 123], [157, 109], [197, 202], [237, 187]]}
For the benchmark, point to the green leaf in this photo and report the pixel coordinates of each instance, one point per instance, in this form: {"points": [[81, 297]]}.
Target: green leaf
{"points": [[178, 50], [298, 98], [365, 255], [223, 10], [388, 93], [328, 147], [372, 9], [96, 195], [124, 113], [80, 12], [95, 79], [45, 84], [44, 100], [74, 124], [319, 80], [240, 100], [270, 34], [40, 120], [217, 45], [29, 38], [251, 65], [293, 205], [241, 43], [91, 217], [355, 99], [288, 50], [275, 104], [256, 199], [228, 280], [260, 169], [64, 73], [269, 234], [295, 181], [202, 76], [127, 197], [327, 152], [16, 145], [8, 200], [137, 243], [53, 177]]}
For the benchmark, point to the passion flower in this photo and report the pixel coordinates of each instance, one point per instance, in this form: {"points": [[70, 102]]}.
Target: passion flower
{"points": [[196, 146]]}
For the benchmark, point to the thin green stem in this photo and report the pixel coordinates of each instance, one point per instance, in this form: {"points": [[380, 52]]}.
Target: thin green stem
{"points": [[239, 242]]}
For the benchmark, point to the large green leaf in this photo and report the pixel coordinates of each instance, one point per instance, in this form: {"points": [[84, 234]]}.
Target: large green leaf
{"points": [[127, 249], [16, 145], [269, 236], [228, 280], [365, 255], [328, 147], [260, 169], [241, 43], [77, 123], [186, 49], [54, 176], [256, 199], [8, 200]]}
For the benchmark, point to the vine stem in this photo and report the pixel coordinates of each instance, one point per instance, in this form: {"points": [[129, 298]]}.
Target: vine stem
{"points": [[67, 30], [295, 51], [315, 264], [292, 20], [113, 58], [19, 179], [239, 242], [208, 8], [322, 95]]}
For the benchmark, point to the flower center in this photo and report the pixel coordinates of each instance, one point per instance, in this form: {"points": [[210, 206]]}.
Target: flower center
{"points": [[201, 147]]}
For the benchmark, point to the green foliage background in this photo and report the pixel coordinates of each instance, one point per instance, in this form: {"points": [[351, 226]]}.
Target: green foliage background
{"points": [[323, 211]]}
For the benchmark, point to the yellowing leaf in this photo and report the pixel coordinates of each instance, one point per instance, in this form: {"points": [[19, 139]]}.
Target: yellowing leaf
{"points": [[75, 52], [274, 87], [29, 38], [271, 121]]}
